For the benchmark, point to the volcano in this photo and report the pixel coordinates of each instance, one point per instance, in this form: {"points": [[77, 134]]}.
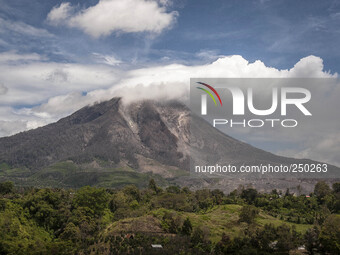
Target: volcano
{"points": [[112, 144]]}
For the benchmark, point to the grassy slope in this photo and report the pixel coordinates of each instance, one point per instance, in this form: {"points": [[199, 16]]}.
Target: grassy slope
{"points": [[219, 219], [267, 219]]}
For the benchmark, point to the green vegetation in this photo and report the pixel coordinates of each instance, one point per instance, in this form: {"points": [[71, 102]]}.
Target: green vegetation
{"points": [[128, 220], [67, 174]]}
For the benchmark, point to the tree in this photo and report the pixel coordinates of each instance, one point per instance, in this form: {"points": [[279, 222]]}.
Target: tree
{"points": [[248, 214], [71, 232], [204, 199], [152, 186], [222, 246], [119, 200], [172, 201], [171, 223], [185, 190], [20, 235], [265, 237], [330, 235], [6, 187], [218, 196], [95, 199], [187, 227], [287, 238], [336, 187], [322, 214], [321, 190], [200, 235], [133, 192], [173, 189], [43, 206], [249, 195], [311, 237], [274, 192]]}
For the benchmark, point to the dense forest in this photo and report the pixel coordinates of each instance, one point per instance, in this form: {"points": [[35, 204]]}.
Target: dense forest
{"points": [[94, 220]]}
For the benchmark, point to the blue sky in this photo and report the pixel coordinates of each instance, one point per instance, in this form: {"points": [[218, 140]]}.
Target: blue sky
{"points": [[279, 33], [58, 56]]}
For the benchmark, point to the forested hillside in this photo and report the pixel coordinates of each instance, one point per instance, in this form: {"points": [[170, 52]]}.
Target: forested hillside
{"points": [[127, 221]]}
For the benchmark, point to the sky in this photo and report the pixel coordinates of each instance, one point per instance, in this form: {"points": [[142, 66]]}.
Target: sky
{"points": [[58, 56]]}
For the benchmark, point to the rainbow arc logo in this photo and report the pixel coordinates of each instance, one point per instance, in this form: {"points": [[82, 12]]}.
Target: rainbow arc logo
{"points": [[209, 93]]}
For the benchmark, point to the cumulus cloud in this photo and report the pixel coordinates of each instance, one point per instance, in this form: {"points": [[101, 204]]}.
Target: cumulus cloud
{"points": [[108, 16], [308, 66], [177, 76]]}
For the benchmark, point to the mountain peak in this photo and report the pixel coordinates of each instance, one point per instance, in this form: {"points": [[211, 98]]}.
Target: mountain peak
{"points": [[108, 130], [90, 113]]}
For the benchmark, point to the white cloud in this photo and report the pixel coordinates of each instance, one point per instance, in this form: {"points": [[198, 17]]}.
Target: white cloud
{"points": [[60, 13], [59, 105], [108, 16], [57, 89], [12, 122], [308, 66], [62, 84], [36, 82], [8, 128], [32, 83], [13, 56]]}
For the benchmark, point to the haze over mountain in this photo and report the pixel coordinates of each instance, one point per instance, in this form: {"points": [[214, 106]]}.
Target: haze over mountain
{"points": [[112, 144]]}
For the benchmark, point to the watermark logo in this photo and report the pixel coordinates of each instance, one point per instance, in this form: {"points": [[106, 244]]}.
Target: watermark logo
{"points": [[230, 117], [240, 101], [204, 97]]}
